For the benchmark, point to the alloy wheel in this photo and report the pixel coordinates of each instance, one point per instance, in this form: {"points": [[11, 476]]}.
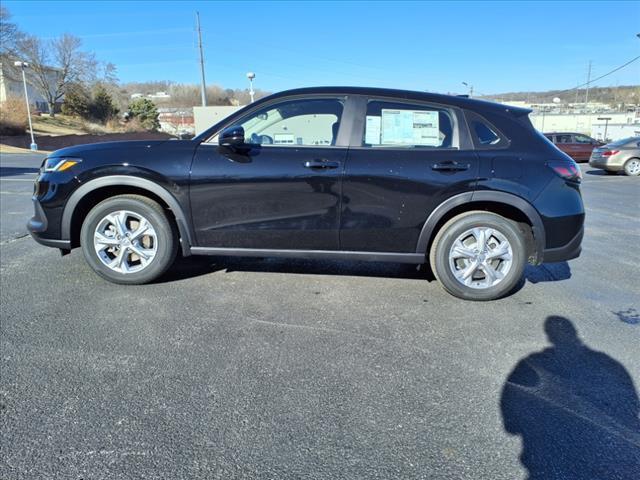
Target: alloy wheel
{"points": [[480, 258], [125, 241]]}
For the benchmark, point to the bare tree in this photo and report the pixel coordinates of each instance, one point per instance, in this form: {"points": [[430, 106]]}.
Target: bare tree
{"points": [[9, 33], [56, 65]]}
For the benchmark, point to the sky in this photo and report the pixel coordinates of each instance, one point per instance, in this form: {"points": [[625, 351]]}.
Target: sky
{"points": [[495, 46]]}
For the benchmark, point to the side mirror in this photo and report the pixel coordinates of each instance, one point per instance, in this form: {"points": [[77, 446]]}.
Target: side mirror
{"points": [[231, 137], [185, 136]]}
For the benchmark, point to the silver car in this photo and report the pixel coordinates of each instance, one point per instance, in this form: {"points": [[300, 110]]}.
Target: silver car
{"points": [[619, 155]]}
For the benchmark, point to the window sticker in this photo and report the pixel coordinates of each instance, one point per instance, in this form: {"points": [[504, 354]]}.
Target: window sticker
{"points": [[372, 130], [283, 138], [409, 127]]}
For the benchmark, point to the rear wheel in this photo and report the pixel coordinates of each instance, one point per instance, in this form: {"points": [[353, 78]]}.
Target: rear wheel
{"points": [[478, 256], [128, 239], [632, 167]]}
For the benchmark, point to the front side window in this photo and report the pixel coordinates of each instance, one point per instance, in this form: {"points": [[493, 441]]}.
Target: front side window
{"points": [[296, 122], [390, 124]]}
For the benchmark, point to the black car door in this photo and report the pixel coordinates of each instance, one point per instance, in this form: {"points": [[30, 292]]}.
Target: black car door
{"points": [[406, 159], [280, 192]]}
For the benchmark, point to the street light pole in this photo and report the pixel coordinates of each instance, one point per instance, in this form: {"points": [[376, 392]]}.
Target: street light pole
{"points": [[606, 124], [251, 76], [22, 66], [470, 88]]}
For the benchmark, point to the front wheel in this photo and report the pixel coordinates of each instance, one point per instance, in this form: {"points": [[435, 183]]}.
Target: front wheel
{"points": [[478, 256], [128, 239]]}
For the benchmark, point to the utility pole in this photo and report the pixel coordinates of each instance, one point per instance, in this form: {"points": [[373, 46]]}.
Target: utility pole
{"points": [[204, 84], [586, 94]]}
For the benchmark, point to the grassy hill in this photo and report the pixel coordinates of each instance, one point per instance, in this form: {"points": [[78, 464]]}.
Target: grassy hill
{"points": [[623, 95]]}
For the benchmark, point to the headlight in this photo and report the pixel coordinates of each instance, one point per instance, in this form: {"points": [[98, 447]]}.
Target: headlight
{"points": [[59, 164]]}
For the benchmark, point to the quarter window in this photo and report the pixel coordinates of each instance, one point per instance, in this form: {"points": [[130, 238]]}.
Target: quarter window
{"points": [[297, 122], [407, 125], [485, 135]]}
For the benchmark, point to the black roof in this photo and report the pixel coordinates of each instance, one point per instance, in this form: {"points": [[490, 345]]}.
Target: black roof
{"points": [[460, 101]]}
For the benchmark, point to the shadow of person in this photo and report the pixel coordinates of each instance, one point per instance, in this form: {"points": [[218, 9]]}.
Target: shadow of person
{"points": [[575, 409]]}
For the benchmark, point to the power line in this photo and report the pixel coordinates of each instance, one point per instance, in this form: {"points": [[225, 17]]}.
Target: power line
{"points": [[601, 76]]}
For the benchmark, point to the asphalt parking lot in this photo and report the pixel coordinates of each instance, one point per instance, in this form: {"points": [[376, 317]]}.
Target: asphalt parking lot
{"points": [[266, 368]]}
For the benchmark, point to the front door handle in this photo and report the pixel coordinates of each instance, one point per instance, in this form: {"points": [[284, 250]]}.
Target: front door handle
{"points": [[321, 164], [450, 167]]}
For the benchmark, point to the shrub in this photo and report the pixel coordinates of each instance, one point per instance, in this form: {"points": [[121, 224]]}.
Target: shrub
{"points": [[102, 107], [13, 117], [145, 111], [77, 103]]}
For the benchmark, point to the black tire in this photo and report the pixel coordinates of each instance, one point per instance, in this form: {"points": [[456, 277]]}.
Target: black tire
{"points": [[166, 234], [447, 235], [627, 167]]}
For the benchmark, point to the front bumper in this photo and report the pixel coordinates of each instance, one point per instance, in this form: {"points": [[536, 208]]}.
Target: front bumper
{"points": [[38, 224]]}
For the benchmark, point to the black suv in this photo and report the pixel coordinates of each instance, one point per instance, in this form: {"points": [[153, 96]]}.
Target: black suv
{"points": [[325, 173]]}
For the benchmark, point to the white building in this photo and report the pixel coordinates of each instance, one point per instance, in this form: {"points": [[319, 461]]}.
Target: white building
{"points": [[11, 86], [205, 117], [159, 96], [586, 123]]}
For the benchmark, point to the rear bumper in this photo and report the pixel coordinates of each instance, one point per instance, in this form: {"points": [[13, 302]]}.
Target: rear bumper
{"points": [[566, 252], [606, 164]]}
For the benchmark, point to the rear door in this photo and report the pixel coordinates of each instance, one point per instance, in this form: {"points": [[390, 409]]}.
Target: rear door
{"points": [[405, 158]]}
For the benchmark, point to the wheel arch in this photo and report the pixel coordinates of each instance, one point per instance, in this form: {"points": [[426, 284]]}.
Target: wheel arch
{"points": [[501, 203], [94, 191]]}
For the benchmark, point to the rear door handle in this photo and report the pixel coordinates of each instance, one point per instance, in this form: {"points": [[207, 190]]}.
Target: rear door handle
{"points": [[450, 167], [321, 164]]}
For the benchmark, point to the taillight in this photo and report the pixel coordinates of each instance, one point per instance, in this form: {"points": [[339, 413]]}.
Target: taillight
{"points": [[608, 153], [567, 170]]}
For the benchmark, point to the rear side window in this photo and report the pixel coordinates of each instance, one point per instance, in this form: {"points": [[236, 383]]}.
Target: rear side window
{"points": [[564, 138], [408, 125], [484, 133]]}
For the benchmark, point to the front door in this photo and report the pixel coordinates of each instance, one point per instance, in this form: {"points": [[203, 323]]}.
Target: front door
{"points": [[280, 192], [406, 160], [583, 146]]}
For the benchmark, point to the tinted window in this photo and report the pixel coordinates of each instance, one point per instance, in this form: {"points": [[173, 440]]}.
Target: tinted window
{"points": [[296, 122], [407, 125], [485, 135]]}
